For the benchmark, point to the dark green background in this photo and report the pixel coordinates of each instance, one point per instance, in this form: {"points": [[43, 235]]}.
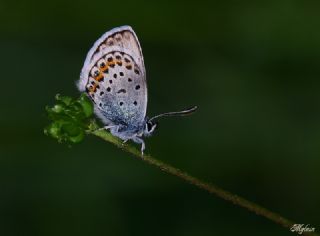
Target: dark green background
{"points": [[251, 67]]}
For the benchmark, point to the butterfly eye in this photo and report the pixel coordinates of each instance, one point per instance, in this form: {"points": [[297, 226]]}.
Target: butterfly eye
{"points": [[149, 126]]}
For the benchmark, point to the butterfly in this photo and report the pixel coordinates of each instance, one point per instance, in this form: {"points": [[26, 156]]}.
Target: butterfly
{"points": [[114, 78]]}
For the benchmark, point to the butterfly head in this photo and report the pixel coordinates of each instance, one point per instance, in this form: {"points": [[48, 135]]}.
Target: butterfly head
{"points": [[149, 128]]}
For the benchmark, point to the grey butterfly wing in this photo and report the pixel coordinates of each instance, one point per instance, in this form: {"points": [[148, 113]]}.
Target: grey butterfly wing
{"points": [[121, 94], [113, 76]]}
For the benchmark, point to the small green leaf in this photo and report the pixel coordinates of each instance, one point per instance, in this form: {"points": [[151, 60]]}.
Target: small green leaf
{"points": [[66, 100], [58, 108], [86, 105], [70, 118], [78, 138], [93, 125], [53, 130]]}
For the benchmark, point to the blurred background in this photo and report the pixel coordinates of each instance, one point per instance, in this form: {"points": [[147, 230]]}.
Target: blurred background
{"points": [[251, 67]]}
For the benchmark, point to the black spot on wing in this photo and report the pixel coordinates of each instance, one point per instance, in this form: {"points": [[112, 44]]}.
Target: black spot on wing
{"points": [[122, 91]]}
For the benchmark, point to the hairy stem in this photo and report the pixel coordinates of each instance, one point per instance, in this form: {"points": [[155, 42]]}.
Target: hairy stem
{"points": [[239, 201]]}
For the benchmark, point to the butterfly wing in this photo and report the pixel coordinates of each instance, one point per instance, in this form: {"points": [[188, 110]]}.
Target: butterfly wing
{"points": [[113, 75]]}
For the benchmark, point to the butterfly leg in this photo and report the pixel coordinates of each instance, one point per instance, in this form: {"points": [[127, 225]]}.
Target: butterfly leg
{"points": [[140, 140], [109, 127], [124, 141], [106, 127]]}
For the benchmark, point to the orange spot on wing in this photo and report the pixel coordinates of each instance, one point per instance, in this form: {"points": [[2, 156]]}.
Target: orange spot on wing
{"points": [[119, 62], [111, 63], [103, 69], [93, 88], [99, 77]]}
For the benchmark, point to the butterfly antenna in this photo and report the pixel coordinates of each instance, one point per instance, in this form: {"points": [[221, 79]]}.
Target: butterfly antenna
{"points": [[176, 113]]}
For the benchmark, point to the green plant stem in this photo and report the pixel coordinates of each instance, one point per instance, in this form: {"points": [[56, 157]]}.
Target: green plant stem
{"points": [[239, 201]]}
